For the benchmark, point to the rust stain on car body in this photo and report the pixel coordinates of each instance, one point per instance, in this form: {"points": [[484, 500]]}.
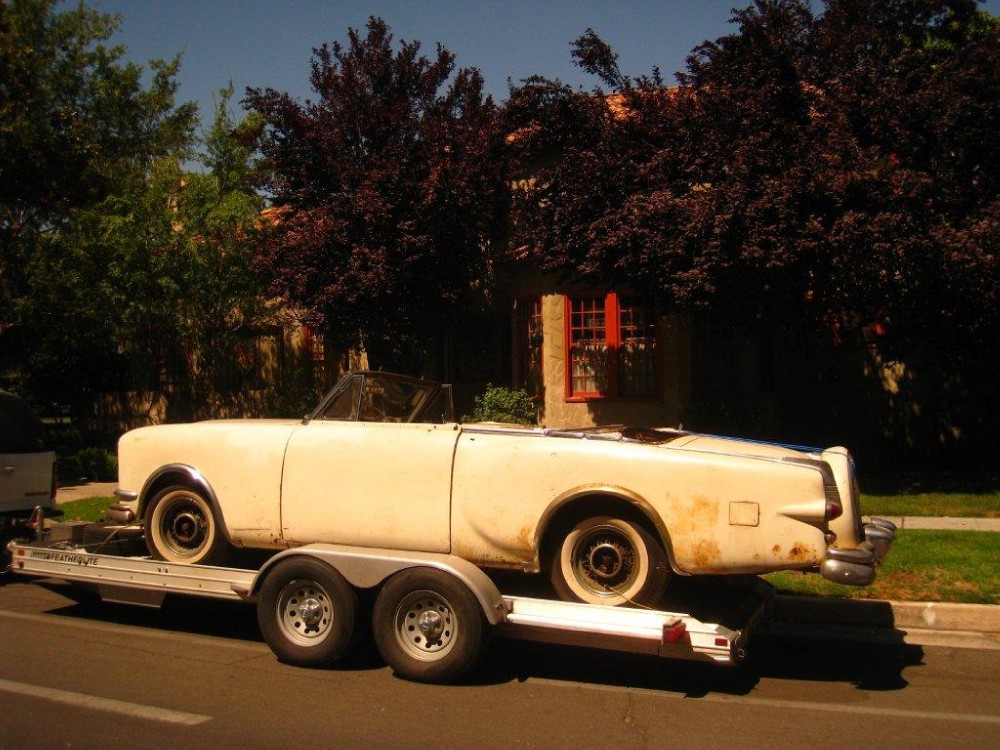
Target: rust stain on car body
{"points": [[800, 552]]}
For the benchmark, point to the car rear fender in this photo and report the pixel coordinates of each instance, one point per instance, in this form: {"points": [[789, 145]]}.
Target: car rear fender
{"points": [[597, 500]]}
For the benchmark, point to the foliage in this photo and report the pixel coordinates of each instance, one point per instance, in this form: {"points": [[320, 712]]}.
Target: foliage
{"points": [[98, 464], [837, 169], [76, 122], [388, 186], [501, 404], [181, 275], [294, 397], [78, 128]]}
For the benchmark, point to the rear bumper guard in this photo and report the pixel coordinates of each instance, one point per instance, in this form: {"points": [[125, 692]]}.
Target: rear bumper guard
{"points": [[856, 567]]}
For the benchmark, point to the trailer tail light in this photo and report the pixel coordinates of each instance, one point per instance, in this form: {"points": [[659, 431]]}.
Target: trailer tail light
{"points": [[674, 630]]}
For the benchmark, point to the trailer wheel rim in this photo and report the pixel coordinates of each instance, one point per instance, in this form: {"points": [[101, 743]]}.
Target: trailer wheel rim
{"points": [[305, 612], [426, 625]]}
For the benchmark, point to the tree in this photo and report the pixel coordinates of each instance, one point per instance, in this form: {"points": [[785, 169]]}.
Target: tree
{"points": [[79, 127], [180, 278], [835, 169], [389, 186]]}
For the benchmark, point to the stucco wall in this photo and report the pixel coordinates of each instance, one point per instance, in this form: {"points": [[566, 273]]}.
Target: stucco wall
{"points": [[673, 368]]}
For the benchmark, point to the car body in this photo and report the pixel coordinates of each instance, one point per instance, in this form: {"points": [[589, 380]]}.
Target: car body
{"points": [[27, 465], [609, 512]]}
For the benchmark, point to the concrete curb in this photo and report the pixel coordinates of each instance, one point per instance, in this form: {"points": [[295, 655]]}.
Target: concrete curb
{"points": [[876, 621]]}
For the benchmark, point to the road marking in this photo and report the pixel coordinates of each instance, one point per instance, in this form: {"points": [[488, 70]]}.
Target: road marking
{"points": [[897, 713], [108, 705]]}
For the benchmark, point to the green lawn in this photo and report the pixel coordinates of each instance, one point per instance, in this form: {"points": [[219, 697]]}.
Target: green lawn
{"points": [[87, 509], [934, 566], [963, 495]]}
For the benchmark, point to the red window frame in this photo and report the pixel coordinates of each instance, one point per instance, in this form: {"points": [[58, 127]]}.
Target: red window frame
{"points": [[611, 349]]}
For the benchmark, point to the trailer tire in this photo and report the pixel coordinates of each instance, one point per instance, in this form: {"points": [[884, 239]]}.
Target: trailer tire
{"points": [[604, 560], [306, 612], [181, 527], [428, 626]]}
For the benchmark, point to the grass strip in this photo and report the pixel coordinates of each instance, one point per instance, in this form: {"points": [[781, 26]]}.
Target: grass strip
{"points": [[924, 566], [85, 509], [973, 494]]}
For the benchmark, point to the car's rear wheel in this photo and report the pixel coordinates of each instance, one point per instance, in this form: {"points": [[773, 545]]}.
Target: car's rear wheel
{"points": [[604, 560], [180, 527]]}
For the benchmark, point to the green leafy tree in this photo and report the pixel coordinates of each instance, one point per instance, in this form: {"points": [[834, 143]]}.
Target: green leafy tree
{"points": [[389, 184], [181, 278], [79, 128]]}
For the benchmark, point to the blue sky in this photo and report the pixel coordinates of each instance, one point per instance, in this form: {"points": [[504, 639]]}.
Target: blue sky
{"points": [[264, 43]]}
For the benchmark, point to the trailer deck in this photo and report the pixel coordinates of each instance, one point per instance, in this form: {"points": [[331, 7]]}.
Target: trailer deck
{"points": [[677, 635]]}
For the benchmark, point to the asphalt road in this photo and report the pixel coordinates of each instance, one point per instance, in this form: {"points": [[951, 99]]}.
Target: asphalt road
{"points": [[196, 674]]}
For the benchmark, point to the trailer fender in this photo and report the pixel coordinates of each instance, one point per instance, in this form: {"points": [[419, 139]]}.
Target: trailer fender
{"points": [[367, 567]]}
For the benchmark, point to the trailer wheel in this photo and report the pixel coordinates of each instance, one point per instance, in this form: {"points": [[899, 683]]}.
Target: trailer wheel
{"points": [[306, 612], [428, 626], [610, 561], [181, 528]]}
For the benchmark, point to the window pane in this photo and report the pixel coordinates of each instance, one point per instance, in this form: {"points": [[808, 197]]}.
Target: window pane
{"points": [[345, 404], [588, 346], [637, 348]]}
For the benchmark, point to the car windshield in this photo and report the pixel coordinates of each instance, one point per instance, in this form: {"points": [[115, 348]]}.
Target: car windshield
{"points": [[384, 397]]}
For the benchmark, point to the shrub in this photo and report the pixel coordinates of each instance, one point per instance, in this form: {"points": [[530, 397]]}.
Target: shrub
{"points": [[98, 464], [500, 404]]}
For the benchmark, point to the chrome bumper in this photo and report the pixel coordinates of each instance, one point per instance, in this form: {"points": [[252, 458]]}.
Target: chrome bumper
{"points": [[121, 512], [856, 567]]}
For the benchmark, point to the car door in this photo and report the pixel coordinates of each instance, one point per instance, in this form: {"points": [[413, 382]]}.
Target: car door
{"points": [[369, 484]]}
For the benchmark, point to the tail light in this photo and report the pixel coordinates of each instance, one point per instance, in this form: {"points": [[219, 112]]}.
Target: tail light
{"points": [[834, 509]]}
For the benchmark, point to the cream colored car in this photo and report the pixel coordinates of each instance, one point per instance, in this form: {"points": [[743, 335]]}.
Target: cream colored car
{"points": [[609, 514]]}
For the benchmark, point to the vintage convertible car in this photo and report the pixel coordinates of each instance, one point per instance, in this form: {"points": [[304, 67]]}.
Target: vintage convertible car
{"points": [[609, 513]]}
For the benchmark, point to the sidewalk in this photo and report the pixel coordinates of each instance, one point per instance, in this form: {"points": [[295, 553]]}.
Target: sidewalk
{"points": [[70, 491], [944, 523]]}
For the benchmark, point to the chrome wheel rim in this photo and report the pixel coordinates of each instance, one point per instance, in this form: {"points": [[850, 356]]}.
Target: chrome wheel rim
{"points": [[305, 612], [426, 625]]}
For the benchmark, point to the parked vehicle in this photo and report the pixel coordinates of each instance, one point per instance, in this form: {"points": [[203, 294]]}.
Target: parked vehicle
{"points": [[609, 513], [27, 470]]}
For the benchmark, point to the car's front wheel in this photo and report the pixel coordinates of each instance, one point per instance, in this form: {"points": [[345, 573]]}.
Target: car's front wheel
{"points": [[181, 528], [604, 560]]}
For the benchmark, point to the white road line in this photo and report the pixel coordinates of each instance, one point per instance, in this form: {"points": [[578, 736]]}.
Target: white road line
{"points": [[108, 705], [899, 713]]}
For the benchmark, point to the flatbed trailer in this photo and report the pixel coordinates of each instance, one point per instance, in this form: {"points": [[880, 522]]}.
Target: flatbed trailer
{"points": [[432, 613]]}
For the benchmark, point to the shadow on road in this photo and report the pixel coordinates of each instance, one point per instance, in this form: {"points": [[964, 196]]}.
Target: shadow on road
{"points": [[865, 666]]}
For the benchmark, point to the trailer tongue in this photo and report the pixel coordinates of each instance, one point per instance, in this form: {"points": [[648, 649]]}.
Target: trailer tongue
{"points": [[431, 616]]}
